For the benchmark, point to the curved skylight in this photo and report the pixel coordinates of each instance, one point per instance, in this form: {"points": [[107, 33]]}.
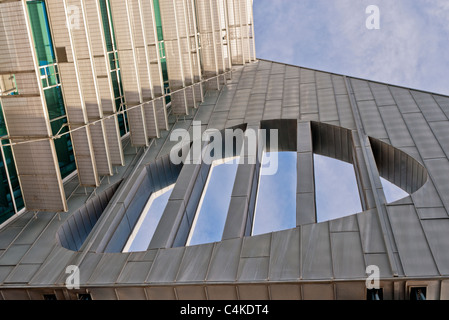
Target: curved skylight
{"points": [[337, 194], [276, 195], [392, 191], [146, 225], [212, 210]]}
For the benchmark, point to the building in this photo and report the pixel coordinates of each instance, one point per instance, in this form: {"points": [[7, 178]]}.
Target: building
{"points": [[91, 93]]}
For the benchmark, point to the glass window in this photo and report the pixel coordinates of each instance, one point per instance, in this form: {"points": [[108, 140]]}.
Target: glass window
{"points": [[392, 191], [55, 102], [13, 178], [6, 203], [106, 25], [3, 131], [7, 165], [140, 238], [157, 13], [276, 195], [212, 210], [64, 149], [41, 32], [337, 194]]}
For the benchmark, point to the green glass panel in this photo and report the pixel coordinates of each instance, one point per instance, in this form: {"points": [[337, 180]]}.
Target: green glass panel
{"points": [[64, 149], [112, 61], [119, 74], [106, 26], [116, 60], [115, 84], [41, 32], [121, 123], [162, 50], [55, 102], [157, 13], [164, 69], [6, 204], [126, 121], [3, 131], [13, 178], [52, 81]]}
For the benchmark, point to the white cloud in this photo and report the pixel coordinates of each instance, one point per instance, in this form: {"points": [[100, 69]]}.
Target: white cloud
{"points": [[409, 49]]}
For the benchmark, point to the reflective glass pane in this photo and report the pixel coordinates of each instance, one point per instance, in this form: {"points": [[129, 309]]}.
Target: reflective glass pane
{"points": [[121, 123], [164, 69], [392, 191], [212, 210], [115, 84], [52, 81], [44, 83], [276, 195], [106, 25], [337, 194], [146, 225], [112, 64], [55, 102], [41, 32], [14, 180], [157, 13], [3, 131], [64, 149], [6, 204]]}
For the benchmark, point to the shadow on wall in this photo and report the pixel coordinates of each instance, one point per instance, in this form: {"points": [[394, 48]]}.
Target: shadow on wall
{"points": [[73, 232]]}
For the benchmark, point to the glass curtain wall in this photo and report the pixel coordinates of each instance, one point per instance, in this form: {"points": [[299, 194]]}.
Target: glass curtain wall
{"points": [[49, 74], [11, 200], [160, 39], [109, 34]]}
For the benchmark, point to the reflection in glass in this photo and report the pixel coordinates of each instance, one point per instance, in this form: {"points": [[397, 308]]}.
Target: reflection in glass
{"points": [[140, 238], [392, 191], [337, 194], [212, 210], [276, 196]]}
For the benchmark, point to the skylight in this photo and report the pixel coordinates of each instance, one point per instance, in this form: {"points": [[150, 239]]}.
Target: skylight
{"points": [[146, 225], [276, 196], [212, 210], [392, 191], [337, 194]]}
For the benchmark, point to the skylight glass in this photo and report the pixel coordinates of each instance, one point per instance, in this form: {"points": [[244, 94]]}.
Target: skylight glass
{"points": [[337, 194], [140, 238], [392, 191], [276, 196], [212, 210]]}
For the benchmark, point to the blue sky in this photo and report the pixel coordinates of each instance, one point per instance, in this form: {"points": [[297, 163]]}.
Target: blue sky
{"points": [[410, 48], [211, 217], [276, 201]]}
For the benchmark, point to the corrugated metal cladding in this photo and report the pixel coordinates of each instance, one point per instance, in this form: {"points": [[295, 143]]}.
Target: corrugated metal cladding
{"points": [[397, 133], [384, 130], [80, 44]]}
